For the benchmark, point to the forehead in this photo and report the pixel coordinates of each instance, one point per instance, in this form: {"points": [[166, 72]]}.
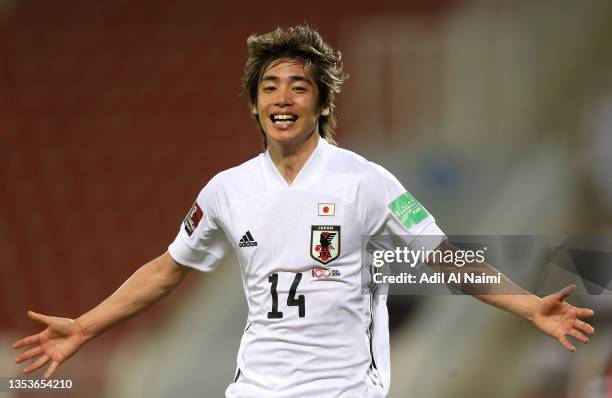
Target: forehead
{"points": [[288, 67]]}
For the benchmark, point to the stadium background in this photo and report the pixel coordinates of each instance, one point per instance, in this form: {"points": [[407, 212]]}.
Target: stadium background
{"points": [[113, 114]]}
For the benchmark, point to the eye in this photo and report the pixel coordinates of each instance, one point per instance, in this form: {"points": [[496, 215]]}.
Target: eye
{"points": [[268, 89], [299, 89]]}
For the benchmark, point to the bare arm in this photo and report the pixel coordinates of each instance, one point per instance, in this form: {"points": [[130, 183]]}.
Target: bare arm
{"points": [[550, 314], [63, 337], [506, 295], [149, 284]]}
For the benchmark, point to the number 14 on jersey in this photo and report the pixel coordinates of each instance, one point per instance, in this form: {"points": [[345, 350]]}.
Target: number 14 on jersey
{"points": [[292, 301]]}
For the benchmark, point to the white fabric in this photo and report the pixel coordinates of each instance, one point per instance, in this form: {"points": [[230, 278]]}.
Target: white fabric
{"points": [[325, 353]]}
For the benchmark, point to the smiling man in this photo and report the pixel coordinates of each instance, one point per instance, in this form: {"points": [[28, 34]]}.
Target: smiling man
{"points": [[287, 109], [295, 215]]}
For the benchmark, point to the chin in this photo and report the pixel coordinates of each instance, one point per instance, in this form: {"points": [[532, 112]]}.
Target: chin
{"points": [[282, 141], [287, 137], [281, 137]]}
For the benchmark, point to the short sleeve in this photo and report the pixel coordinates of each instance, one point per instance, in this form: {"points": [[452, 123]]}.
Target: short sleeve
{"points": [[392, 210], [201, 242]]}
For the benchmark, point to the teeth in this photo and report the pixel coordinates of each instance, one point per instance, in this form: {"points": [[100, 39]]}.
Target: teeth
{"points": [[283, 117]]}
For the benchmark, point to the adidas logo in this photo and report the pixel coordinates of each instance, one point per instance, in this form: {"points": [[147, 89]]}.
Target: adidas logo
{"points": [[247, 240]]}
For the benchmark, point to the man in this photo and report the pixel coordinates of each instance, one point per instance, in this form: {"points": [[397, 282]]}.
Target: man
{"points": [[295, 215]]}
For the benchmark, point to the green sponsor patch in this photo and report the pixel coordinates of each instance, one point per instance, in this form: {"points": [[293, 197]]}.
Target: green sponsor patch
{"points": [[408, 210]]}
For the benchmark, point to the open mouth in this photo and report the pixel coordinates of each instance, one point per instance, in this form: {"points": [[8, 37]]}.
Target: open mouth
{"points": [[283, 118]]}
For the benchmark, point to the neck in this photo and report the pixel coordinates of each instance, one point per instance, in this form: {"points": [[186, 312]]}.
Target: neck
{"points": [[290, 158]]}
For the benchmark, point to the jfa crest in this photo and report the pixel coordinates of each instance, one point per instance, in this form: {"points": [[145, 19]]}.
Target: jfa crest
{"points": [[325, 243]]}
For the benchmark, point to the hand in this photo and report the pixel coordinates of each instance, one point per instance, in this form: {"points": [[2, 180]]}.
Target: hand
{"points": [[59, 341], [558, 319]]}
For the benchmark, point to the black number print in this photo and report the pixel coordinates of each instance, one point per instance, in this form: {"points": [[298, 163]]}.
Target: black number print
{"points": [[292, 301]]}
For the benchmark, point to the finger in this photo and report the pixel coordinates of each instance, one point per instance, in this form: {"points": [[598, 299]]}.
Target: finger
{"points": [[578, 336], [26, 341], [39, 362], [565, 342], [584, 312], [567, 291], [584, 327], [29, 354], [54, 365], [39, 317]]}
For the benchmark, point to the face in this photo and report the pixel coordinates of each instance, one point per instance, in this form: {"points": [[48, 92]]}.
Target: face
{"points": [[287, 99]]}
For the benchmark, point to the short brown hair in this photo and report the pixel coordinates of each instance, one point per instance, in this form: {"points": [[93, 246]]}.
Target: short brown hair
{"points": [[305, 44]]}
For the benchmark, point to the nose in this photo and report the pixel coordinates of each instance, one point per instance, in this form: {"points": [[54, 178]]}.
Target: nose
{"points": [[283, 97]]}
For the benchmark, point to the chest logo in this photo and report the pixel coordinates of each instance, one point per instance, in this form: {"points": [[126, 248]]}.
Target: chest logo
{"points": [[325, 243], [247, 240]]}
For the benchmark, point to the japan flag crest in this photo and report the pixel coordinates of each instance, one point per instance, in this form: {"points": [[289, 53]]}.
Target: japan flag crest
{"points": [[325, 243]]}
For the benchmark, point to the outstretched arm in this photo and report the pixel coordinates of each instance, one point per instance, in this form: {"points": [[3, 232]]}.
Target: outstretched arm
{"points": [[63, 337], [551, 314]]}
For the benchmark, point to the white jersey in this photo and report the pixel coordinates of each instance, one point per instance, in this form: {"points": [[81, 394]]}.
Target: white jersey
{"points": [[311, 331]]}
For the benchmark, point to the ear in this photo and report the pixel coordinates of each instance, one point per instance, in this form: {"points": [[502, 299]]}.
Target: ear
{"points": [[254, 110], [325, 111]]}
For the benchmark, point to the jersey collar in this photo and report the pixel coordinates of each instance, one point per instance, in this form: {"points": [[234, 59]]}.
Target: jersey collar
{"points": [[274, 179]]}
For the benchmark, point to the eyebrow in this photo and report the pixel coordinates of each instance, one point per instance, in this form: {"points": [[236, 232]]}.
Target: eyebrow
{"points": [[293, 78]]}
